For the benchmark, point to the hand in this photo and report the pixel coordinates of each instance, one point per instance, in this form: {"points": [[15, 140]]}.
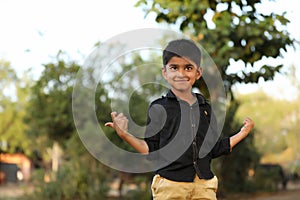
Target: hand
{"points": [[248, 125], [119, 123]]}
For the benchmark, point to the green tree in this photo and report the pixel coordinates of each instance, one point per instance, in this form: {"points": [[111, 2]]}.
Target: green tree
{"points": [[271, 123], [276, 139], [276, 127], [229, 31], [13, 100], [50, 120], [50, 102], [293, 121], [233, 169]]}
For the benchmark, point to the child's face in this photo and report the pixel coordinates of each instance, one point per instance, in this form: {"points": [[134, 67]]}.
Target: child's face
{"points": [[181, 73]]}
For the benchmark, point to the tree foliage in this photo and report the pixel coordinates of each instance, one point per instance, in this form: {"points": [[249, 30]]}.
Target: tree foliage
{"points": [[277, 126], [233, 169], [13, 100], [50, 119], [50, 102], [229, 31]]}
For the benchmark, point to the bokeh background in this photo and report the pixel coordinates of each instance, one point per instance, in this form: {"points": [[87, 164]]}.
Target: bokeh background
{"points": [[43, 44]]}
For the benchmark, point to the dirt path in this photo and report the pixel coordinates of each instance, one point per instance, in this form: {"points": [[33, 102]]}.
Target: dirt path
{"points": [[12, 191], [292, 193], [282, 195]]}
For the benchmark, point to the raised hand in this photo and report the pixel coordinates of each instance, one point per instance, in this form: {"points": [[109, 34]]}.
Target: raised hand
{"points": [[248, 125], [119, 123]]}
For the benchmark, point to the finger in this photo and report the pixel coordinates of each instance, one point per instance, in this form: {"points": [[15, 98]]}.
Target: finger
{"points": [[246, 121], [121, 115], [113, 115], [245, 127], [110, 124]]}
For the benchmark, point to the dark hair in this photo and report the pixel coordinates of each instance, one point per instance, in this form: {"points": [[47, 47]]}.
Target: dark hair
{"points": [[182, 48]]}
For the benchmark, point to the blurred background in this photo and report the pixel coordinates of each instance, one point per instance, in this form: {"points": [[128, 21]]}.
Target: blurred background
{"points": [[43, 44]]}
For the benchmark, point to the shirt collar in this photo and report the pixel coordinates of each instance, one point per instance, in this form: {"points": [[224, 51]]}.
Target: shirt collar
{"points": [[200, 98]]}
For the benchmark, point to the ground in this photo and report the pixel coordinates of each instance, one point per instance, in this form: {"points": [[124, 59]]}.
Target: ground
{"points": [[15, 191], [281, 195], [291, 193]]}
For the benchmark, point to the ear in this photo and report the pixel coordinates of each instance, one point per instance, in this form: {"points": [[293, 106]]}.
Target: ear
{"points": [[164, 72], [199, 73]]}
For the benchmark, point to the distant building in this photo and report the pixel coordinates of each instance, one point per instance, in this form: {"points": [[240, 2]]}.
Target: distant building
{"points": [[14, 167]]}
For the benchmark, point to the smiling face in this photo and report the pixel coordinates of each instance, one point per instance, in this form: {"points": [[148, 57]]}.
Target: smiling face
{"points": [[181, 73]]}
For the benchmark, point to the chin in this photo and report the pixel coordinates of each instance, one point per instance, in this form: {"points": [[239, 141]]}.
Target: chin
{"points": [[186, 89]]}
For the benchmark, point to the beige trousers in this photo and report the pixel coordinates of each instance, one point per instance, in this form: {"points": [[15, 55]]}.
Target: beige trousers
{"points": [[201, 189]]}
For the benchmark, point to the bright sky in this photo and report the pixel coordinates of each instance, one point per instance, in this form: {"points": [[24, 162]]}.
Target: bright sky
{"points": [[33, 31]]}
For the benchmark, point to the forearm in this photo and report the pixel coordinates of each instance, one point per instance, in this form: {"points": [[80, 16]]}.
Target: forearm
{"points": [[248, 125], [138, 144], [120, 124], [238, 137]]}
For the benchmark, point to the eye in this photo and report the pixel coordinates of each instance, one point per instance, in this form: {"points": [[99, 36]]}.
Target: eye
{"points": [[173, 68], [189, 68]]}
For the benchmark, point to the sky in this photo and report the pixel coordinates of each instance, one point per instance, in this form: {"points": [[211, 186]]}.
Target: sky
{"points": [[33, 31]]}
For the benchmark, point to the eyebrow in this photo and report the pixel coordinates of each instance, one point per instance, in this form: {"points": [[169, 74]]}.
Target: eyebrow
{"points": [[186, 65]]}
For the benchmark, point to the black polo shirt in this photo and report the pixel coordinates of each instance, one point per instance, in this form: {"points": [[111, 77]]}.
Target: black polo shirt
{"points": [[183, 138]]}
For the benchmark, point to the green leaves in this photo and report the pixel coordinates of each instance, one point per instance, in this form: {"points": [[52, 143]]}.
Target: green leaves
{"points": [[51, 100], [228, 30], [13, 100]]}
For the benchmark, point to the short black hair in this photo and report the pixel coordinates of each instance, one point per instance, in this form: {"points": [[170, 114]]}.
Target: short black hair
{"points": [[182, 48]]}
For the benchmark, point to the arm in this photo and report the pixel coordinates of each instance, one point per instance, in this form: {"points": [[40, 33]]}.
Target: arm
{"points": [[120, 124], [248, 125]]}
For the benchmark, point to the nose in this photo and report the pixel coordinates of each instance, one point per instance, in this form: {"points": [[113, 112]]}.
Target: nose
{"points": [[181, 72]]}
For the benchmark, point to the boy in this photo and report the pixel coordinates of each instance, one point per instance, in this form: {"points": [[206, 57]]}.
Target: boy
{"points": [[180, 123]]}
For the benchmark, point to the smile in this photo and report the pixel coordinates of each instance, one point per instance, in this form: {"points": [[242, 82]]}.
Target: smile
{"points": [[181, 80]]}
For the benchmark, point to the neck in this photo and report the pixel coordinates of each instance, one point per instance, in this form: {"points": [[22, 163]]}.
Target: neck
{"points": [[185, 96]]}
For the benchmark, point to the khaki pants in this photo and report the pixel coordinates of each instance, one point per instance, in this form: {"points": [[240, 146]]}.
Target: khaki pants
{"points": [[164, 189]]}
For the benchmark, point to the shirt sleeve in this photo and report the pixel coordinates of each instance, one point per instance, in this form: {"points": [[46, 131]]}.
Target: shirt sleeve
{"points": [[155, 121], [222, 147]]}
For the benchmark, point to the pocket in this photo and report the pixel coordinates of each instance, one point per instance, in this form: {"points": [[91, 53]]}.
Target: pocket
{"points": [[155, 181], [212, 184]]}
